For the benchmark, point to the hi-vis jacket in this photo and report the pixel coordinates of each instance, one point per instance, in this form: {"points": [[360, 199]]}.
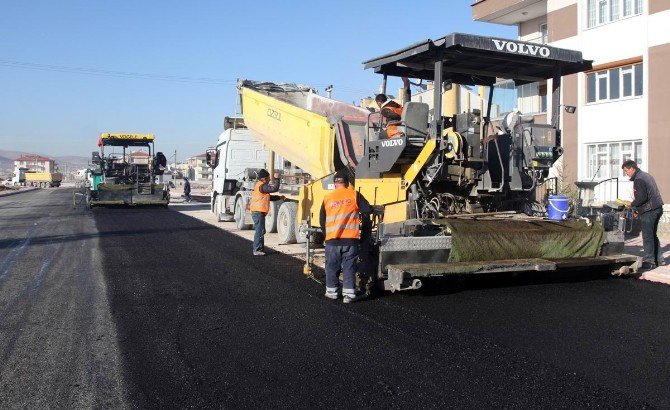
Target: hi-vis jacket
{"points": [[341, 216], [260, 198], [391, 111]]}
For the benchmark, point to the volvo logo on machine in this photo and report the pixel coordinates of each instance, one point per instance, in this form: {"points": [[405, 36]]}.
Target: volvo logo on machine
{"points": [[521, 48], [392, 143]]}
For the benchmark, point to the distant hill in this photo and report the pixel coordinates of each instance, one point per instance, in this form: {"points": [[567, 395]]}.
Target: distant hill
{"points": [[72, 162], [12, 155]]}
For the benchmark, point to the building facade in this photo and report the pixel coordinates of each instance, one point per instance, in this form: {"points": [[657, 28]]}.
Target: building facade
{"points": [[621, 112], [36, 163], [139, 157], [198, 168]]}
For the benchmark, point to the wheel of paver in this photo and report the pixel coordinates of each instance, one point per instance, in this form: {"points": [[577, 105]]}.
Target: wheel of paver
{"points": [[286, 225], [240, 213], [271, 217]]}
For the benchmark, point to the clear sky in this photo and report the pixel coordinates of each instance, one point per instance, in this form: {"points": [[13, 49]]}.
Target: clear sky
{"points": [[70, 70]]}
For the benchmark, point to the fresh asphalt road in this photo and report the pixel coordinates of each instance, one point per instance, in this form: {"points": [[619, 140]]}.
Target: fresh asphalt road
{"points": [[142, 307]]}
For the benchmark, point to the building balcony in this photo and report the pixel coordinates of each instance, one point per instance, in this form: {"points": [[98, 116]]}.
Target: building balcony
{"points": [[508, 12]]}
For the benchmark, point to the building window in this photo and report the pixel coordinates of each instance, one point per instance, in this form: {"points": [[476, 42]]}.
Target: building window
{"points": [[604, 159], [544, 33], [606, 11], [614, 84]]}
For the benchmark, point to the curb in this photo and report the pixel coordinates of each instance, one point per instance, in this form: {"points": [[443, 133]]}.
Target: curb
{"points": [[656, 277], [7, 193]]}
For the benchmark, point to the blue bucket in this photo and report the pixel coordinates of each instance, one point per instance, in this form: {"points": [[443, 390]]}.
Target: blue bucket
{"points": [[558, 208]]}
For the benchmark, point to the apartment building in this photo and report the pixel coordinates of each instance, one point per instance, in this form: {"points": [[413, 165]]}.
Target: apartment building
{"points": [[621, 103], [36, 163], [198, 168], [139, 157]]}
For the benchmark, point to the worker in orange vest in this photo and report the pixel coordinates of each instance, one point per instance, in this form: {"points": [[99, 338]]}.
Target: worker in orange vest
{"points": [[260, 206], [340, 222], [391, 110]]}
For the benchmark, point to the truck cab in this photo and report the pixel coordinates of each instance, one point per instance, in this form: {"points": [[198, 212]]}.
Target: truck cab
{"points": [[19, 176], [235, 154]]}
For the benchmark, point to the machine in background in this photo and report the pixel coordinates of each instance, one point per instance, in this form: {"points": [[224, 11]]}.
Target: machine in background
{"points": [[116, 179]]}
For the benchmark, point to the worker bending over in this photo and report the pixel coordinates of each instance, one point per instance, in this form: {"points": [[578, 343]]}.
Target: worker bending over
{"points": [[260, 206], [648, 203], [340, 222], [391, 110]]}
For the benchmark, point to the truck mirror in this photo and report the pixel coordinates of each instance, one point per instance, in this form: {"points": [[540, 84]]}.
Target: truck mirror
{"points": [[212, 157]]}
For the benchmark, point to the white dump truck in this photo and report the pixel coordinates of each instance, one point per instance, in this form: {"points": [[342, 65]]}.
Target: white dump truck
{"points": [[235, 161]]}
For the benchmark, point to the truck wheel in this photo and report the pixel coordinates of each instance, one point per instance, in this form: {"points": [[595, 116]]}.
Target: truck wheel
{"points": [[271, 217], [239, 216], [286, 225]]}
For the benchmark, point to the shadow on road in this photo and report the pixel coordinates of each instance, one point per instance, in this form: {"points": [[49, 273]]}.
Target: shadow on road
{"points": [[455, 284]]}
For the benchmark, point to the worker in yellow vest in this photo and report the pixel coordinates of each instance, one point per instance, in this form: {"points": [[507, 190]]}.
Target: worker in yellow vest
{"points": [[260, 206], [340, 222]]}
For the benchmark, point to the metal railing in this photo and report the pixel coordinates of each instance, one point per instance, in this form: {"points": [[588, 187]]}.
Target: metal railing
{"points": [[602, 192]]}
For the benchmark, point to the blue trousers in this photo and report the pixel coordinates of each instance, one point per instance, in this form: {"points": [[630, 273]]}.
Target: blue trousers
{"points": [[341, 258], [652, 247], [259, 230]]}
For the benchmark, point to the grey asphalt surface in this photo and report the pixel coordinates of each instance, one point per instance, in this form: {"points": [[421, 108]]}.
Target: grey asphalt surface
{"points": [[58, 344], [150, 308]]}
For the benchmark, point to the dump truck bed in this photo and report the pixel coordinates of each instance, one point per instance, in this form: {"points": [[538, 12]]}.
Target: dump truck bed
{"points": [[44, 176], [296, 123]]}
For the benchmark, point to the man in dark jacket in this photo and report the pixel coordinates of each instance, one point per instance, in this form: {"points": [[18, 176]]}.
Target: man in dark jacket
{"points": [[648, 204], [187, 190]]}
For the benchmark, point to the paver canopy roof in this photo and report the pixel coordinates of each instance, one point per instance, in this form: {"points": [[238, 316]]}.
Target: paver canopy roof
{"points": [[478, 60]]}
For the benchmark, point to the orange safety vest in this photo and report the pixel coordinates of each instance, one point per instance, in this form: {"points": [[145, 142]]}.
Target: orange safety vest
{"points": [[342, 218], [260, 202], [392, 130]]}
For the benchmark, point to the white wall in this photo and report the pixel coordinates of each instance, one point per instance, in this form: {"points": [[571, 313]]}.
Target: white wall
{"points": [[617, 120]]}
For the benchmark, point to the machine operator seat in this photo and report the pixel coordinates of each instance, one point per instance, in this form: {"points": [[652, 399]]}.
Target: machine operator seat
{"points": [[414, 123]]}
